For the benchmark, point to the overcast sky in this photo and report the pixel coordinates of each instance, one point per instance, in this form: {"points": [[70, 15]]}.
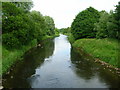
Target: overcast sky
{"points": [[64, 11]]}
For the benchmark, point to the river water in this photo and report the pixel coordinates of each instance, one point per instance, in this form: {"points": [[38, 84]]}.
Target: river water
{"points": [[57, 65]]}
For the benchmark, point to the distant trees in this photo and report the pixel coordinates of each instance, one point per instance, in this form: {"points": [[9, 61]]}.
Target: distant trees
{"points": [[83, 24], [65, 30], [20, 26]]}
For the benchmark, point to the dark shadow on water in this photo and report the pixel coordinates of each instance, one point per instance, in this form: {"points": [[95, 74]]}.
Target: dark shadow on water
{"points": [[84, 68], [25, 68], [87, 69]]}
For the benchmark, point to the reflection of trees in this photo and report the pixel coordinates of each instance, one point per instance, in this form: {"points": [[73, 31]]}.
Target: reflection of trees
{"points": [[85, 68], [49, 48], [112, 79], [25, 68]]}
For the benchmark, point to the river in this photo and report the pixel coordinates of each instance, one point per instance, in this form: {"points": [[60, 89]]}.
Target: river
{"points": [[57, 65]]}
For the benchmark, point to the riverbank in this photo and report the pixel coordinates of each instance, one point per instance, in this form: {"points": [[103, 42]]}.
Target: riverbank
{"points": [[9, 57], [103, 49]]}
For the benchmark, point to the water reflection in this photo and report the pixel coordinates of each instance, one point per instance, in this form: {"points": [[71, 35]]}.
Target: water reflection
{"points": [[90, 71], [26, 68], [54, 72], [84, 68]]}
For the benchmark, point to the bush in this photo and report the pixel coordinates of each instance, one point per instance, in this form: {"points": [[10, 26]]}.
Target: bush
{"points": [[9, 41]]}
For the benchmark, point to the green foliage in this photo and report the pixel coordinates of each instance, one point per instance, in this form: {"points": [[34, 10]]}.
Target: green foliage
{"points": [[10, 41], [101, 26], [21, 26], [39, 25], [108, 25], [71, 38], [112, 26], [25, 6], [117, 18], [65, 30], [50, 25], [21, 30], [57, 31], [9, 57], [10, 9], [83, 24]]}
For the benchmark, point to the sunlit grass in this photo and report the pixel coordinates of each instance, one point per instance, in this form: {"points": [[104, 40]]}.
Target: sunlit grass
{"points": [[104, 49]]}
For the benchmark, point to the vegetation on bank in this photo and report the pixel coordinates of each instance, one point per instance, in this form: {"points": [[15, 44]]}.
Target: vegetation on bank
{"points": [[98, 33], [9, 57], [104, 49], [22, 29]]}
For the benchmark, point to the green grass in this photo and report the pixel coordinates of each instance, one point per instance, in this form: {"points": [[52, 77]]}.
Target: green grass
{"points": [[104, 49], [9, 57]]}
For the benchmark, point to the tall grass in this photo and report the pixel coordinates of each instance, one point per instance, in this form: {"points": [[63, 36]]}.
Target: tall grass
{"points": [[104, 49], [9, 57]]}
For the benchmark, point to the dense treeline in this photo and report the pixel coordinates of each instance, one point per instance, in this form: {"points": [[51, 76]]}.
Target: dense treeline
{"points": [[91, 23], [20, 26]]}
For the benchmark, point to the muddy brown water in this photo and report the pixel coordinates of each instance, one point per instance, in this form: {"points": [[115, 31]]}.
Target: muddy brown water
{"points": [[57, 65]]}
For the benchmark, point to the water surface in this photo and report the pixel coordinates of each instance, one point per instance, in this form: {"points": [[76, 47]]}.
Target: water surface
{"points": [[57, 65]]}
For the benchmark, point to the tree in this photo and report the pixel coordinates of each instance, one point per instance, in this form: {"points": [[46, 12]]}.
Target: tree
{"points": [[101, 26], [56, 31], [20, 26], [65, 30], [40, 27], [112, 26], [17, 26], [50, 25], [25, 6], [117, 18], [83, 24]]}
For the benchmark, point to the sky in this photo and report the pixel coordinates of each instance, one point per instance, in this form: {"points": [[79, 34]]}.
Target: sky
{"points": [[64, 11]]}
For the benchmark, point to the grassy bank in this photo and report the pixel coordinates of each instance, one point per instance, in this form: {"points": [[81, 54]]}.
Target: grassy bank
{"points": [[9, 57], [103, 49]]}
